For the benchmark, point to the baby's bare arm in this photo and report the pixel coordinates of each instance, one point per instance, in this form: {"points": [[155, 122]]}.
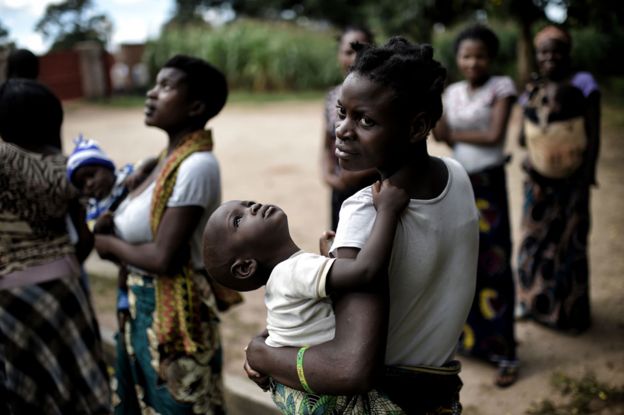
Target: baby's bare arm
{"points": [[372, 261]]}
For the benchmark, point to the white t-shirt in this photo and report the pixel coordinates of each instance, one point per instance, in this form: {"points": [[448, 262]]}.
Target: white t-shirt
{"points": [[299, 313], [432, 272], [471, 110], [198, 184]]}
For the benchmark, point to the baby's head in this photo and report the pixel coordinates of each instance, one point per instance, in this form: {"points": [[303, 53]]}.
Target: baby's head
{"points": [[243, 241], [566, 102], [350, 35], [90, 169]]}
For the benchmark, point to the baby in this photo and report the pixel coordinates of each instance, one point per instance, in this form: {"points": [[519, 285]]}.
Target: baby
{"points": [[554, 130], [93, 173], [248, 245]]}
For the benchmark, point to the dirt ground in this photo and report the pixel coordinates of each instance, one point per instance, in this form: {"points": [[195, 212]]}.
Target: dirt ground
{"points": [[270, 153]]}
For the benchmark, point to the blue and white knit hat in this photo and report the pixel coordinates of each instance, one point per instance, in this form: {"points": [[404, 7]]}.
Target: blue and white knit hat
{"points": [[87, 152]]}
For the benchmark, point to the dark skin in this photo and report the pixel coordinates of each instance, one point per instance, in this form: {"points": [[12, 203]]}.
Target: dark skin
{"points": [[169, 108], [256, 237], [97, 181], [344, 179], [473, 60], [553, 59], [371, 133]]}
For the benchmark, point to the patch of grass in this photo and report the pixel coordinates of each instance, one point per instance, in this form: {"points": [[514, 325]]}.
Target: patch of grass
{"points": [[244, 97], [120, 101], [581, 396], [612, 109]]}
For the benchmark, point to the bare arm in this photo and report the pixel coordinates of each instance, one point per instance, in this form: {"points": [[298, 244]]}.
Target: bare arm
{"points": [[84, 245], [592, 120], [372, 261], [441, 131], [349, 363], [168, 250], [495, 134], [328, 163], [142, 172]]}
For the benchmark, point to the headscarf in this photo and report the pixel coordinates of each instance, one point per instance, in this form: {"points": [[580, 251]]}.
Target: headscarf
{"points": [[86, 153], [552, 32]]}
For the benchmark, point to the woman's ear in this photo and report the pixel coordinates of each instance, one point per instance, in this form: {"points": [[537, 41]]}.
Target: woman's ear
{"points": [[197, 108], [419, 127], [244, 268]]}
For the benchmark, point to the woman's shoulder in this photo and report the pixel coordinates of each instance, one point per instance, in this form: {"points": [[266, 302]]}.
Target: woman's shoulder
{"points": [[199, 161], [457, 174], [503, 86], [361, 201], [455, 87], [584, 81]]}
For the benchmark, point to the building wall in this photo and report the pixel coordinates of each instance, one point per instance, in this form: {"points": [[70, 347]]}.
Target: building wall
{"points": [[80, 73], [61, 72]]}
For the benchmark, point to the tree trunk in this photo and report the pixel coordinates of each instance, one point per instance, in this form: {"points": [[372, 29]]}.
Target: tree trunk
{"points": [[526, 53]]}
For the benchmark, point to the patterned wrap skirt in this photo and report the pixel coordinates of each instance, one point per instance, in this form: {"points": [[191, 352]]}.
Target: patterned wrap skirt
{"points": [[419, 390], [489, 329], [553, 265], [294, 402], [51, 359], [146, 382]]}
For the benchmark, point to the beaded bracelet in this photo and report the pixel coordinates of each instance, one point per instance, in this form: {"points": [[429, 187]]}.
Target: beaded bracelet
{"points": [[302, 378]]}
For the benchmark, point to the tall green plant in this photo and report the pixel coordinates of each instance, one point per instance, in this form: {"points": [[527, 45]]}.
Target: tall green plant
{"points": [[257, 56]]}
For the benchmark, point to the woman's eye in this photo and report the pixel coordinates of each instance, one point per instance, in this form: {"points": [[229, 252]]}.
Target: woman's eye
{"points": [[237, 220], [340, 111], [367, 122]]}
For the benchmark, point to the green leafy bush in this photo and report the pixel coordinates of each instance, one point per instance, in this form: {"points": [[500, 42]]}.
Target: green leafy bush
{"points": [[257, 56], [585, 395], [504, 64]]}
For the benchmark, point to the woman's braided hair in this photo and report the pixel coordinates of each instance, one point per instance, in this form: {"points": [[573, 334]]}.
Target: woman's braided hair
{"points": [[409, 69]]}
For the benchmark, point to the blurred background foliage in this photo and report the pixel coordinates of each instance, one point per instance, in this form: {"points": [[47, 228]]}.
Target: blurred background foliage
{"points": [[260, 55], [290, 45], [255, 55]]}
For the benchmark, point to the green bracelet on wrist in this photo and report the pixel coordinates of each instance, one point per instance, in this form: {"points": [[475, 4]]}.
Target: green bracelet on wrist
{"points": [[302, 378]]}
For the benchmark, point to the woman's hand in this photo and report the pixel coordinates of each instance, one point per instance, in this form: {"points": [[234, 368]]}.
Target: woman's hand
{"points": [[260, 379], [105, 224], [103, 247], [325, 242]]}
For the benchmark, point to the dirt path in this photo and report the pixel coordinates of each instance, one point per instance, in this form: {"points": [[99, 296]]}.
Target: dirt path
{"points": [[270, 153]]}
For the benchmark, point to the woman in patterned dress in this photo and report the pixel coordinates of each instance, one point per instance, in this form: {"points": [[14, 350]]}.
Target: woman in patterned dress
{"points": [[553, 266], [476, 112], [51, 358], [169, 355]]}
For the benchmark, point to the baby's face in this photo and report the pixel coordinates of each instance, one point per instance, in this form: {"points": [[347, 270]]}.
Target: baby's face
{"points": [[250, 226], [243, 230], [94, 181]]}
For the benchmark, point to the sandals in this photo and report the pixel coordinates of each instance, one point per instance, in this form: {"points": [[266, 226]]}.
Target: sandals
{"points": [[507, 373]]}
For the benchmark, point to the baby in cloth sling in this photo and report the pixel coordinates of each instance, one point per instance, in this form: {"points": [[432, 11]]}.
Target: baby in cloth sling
{"points": [[554, 129]]}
